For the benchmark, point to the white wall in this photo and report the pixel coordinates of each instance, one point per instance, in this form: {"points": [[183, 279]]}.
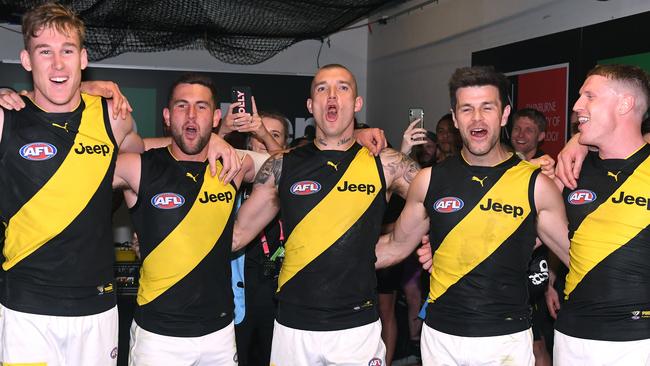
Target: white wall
{"points": [[349, 48], [411, 58]]}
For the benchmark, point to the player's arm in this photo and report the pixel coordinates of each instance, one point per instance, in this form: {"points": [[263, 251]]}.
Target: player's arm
{"points": [[127, 176], [411, 226], [127, 139], [251, 163], [262, 205], [552, 223], [399, 171]]}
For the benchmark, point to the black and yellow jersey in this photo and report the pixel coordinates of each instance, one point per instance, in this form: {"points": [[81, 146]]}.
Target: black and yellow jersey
{"points": [[482, 236], [607, 290], [184, 220], [332, 205], [56, 171]]}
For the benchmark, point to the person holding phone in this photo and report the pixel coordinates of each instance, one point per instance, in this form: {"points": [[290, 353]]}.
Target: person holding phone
{"points": [[242, 117]]}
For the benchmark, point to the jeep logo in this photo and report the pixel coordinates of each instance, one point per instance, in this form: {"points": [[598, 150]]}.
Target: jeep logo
{"points": [[631, 200], [515, 211], [219, 197], [94, 149], [351, 187]]}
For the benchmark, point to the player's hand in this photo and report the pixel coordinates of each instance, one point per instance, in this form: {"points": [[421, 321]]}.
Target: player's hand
{"points": [[219, 148], [109, 90], [552, 300], [371, 138], [413, 136], [251, 123], [425, 256], [547, 164], [569, 162], [11, 100]]}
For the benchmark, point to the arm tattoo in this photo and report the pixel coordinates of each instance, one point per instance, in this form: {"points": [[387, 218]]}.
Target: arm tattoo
{"points": [[272, 166], [398, 165]]}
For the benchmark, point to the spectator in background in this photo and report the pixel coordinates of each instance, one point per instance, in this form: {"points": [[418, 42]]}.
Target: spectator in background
{"points": [[528, 132], [449, 142]]}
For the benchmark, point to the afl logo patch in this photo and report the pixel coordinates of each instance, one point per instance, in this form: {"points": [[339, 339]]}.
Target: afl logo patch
{"points": [[167, 201], [305, 187], [448, 204], [37, 151], [581, 197], [375, 362]]}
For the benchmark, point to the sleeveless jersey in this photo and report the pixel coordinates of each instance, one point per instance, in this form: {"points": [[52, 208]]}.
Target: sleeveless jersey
{"points": [[332, 204], [482, 236], [607, 290], [56, 171], [184, 220]]}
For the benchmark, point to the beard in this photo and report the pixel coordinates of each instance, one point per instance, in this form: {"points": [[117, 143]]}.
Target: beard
{"points": [[190, 148]]}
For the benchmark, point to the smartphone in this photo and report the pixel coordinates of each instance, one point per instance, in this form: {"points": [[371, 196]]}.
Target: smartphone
{"points": [[242, 94], [415, 113]]}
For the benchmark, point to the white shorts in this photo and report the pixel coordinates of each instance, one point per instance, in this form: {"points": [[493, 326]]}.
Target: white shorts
{"points": [[441, 349], [151, 349], [572, 351], [359, 346], [58, 340]]}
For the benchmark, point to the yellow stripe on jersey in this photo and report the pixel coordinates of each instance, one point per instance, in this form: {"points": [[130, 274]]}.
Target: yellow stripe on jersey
{"points": [[483, 230], [188, 244], [591, 243], [332, 217], [67, 192]]}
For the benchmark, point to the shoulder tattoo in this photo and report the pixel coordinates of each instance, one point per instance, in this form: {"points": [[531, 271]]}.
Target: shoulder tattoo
{"points": [[272, 167], [397, 164]]}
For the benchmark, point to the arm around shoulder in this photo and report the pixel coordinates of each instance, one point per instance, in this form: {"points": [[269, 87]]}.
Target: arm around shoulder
{"points": [[262, 205]]}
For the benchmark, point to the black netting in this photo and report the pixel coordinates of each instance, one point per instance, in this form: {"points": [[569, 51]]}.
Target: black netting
{"points": [[233, 31]]}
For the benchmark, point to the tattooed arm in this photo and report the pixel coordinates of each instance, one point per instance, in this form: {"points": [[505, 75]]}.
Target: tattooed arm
{"points": [[262, 205], [399, 171]]}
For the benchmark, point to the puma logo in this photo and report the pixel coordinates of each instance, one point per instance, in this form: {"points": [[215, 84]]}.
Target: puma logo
{"points": [[335, 166], [610, 174], [192, 177], [477, 179], [64, 127]]}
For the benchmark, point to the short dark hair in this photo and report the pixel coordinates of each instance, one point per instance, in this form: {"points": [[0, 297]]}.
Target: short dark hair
{"points": [[52, 15], [534, 115], [335, 66], [631, 75], [195, 78], [478, 76]]}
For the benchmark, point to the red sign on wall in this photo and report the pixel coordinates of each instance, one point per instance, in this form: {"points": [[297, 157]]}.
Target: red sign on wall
{"points": [[546, 90]]}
